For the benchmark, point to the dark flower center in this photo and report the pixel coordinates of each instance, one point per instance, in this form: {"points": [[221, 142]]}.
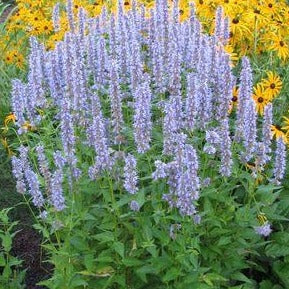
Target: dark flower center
{"points": [[181, 12], [281, 43], [257, 11], [270, 5], [272, 85], [201, 2], [260, 99], [235, 20], [278, 127], [234, 98], [126, 3]]}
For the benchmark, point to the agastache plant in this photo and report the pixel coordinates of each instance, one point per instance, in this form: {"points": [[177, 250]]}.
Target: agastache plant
{"points": [[125, 82]]}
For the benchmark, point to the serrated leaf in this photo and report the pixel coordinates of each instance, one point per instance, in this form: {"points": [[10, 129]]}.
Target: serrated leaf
{"points": [[2, 260], [238, 276], [143, 271], [89, 261], [224, 241], [6, 242], [282, 269], [172, 274], [104, 237], [131, 262], [119, 248], [101, 272]]}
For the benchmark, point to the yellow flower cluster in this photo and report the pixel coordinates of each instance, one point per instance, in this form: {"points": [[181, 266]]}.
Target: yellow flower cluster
{"points": [[256, 25]]}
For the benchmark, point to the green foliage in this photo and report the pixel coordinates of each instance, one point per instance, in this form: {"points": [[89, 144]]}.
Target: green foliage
{"points": [[11, 277], [97, 242]]}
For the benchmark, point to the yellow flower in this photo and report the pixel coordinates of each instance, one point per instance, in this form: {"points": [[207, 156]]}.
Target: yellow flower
{"points": [[239, 27], [277, 132], [262, 218], [272, 85], [280, 45], [230, 50], [9, 57], [19, 61], [6, 146], [285, 127], [9, 118], [184, 11], [270, 7], [261, 98]]}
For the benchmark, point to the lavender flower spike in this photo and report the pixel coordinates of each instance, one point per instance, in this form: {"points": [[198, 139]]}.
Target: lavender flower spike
{"points": [[19, 175], [225, 149], [56, 17], [130, 174], [266, 130], [57, 198], [249, 130], [34, 190], [69, 9], [245, 92], [142, 117], [280, 161], [43, 166]]}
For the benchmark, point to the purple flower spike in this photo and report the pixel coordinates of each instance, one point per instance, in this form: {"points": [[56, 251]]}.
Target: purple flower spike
{"points": [[280, 161], [130, 175]]}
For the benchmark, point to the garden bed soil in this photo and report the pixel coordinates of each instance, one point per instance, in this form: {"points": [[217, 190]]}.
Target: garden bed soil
{"points": [[27, 247]]}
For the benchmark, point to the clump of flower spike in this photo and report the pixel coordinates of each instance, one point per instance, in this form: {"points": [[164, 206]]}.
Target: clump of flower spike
{"points": [[154, 64]]}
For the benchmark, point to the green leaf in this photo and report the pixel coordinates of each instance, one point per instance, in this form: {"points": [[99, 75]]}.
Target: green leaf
{"points": [[172, 274], [266, 284], [101, 272], [282, 269], [2, 260], [14, 261], [224, 241], [279, 246], [77, 281], [7, 242], [238, 276], [79, 243], [132, 262], [89, 261], [119, 248], [104, 237], [143, 271], [7, 272]]}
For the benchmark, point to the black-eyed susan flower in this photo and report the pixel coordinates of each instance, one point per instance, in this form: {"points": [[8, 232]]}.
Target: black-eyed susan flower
{"points": [[285, 126], [277, 132], [280, 45], [272, 85], [261, 98]]}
